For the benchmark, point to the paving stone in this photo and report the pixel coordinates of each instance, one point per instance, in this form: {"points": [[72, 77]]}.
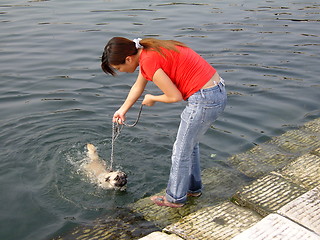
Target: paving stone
{"points": [[261, 160], [307, 176], [276, 227], [305, 210], [313, 126], [161, 236], [220, 222], [279, 151], [316, 152], [266, 195], [297, 141], [123, 226]]}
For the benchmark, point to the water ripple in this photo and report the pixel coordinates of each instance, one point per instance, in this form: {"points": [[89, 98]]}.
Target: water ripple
{"points": [[54, 97]]}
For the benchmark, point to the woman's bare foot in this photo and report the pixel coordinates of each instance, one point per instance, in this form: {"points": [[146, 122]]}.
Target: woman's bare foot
{"points": [[162, 201]]}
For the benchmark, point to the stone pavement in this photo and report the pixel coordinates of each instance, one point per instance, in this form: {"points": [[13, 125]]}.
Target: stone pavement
{"points": [[283, 204], [299, 219]]}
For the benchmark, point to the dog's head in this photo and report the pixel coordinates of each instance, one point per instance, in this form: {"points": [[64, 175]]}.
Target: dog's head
{"points": [[116, 180]]}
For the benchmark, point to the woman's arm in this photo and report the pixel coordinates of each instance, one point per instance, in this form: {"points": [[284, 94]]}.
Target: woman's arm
{"points": [[171, 93], [134, 94]]}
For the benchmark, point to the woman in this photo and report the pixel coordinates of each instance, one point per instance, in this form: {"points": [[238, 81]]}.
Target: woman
{"points": [[181, 74]]}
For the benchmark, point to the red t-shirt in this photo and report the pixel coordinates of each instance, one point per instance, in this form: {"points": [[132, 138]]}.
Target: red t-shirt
{"points": [[187, 69]]}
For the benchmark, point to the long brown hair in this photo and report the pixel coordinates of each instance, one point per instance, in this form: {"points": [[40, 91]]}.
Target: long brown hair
{"points": [[118, 48]]}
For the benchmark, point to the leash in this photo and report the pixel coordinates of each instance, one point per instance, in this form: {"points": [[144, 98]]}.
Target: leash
{"points": [[116, 130]]}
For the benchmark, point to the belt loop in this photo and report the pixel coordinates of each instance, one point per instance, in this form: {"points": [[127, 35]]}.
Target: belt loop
{"points": [[202, 94], [222, 83]]}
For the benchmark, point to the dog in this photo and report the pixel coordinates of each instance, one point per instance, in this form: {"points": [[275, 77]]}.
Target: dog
{"points": [[97, 171]]}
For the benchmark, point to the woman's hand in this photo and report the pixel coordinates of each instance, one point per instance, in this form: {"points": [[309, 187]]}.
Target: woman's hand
{"points": [[148, 100], [135, 92], [119, 117], [171, 92]]}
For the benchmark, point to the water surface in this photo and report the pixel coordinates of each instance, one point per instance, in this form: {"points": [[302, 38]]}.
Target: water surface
{"points": [[54, 97]]}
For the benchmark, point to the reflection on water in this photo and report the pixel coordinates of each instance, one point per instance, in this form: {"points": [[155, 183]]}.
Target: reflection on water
{"points": [[54, 97]]}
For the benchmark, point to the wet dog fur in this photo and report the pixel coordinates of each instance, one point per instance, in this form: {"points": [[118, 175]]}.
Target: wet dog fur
{"points": [[96, 170]]}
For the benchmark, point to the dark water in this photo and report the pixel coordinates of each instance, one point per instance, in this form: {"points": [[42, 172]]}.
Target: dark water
{"points": [[54, 97]]}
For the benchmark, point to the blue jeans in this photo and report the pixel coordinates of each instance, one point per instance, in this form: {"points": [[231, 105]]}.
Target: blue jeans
{"points": [[202, 109]]}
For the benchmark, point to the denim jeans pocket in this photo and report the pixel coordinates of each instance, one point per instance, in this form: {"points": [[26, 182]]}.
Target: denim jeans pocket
{"points": [[211, 110], [207, 114]]}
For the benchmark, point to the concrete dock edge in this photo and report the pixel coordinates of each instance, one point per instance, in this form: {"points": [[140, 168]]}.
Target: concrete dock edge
{"points": [[282, 204], [282, 201]]}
